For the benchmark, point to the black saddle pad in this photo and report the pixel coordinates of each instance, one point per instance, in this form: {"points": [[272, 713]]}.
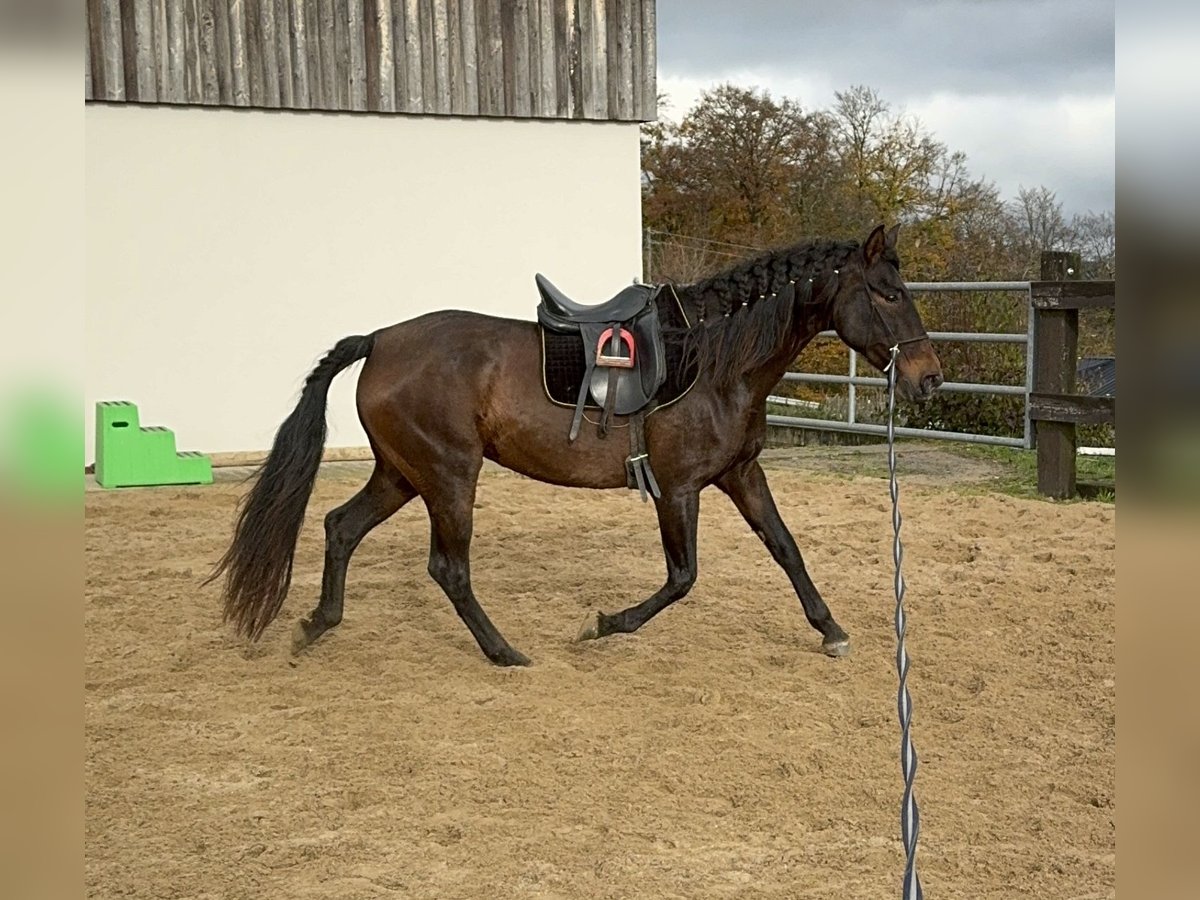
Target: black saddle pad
{"points": [[563, 363]]}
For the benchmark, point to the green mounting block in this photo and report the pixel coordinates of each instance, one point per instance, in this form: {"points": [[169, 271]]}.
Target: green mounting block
{"points": [[128, 455]]}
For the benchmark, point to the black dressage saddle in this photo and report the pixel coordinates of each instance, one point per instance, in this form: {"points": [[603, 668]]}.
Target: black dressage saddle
{"points": [[625, 362]]}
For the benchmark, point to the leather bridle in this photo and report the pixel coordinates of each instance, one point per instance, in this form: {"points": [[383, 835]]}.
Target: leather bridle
{"points": [[895, 343]]}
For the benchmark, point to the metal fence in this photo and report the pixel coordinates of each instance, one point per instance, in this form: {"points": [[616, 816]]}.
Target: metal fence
{"points": [[855, 381]]}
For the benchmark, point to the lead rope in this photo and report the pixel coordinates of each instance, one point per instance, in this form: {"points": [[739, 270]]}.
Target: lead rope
{"points": [[910, 815]]}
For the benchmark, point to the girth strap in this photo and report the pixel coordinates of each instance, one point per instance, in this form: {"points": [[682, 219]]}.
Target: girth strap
{"points": [[637, 467]]}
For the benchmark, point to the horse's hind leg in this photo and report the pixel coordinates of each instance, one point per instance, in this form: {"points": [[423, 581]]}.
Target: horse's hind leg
{"points": [[747, 488], [384, 493], [451, 510]]}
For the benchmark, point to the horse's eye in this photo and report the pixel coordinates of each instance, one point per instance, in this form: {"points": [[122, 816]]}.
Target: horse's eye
{"points": [[892, 298]]}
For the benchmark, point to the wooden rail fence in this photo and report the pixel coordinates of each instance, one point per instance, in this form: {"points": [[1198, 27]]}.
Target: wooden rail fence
{"points": [[1054, 407]]}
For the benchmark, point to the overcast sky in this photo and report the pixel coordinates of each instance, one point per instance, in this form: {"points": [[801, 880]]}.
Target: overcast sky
{"points": [[1024, 87]]}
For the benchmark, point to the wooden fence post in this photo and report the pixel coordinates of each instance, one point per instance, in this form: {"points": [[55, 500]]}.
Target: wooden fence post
{"points": [[1056, 342]]}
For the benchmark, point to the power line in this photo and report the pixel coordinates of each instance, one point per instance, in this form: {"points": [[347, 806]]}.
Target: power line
{"points": [[687, 237]]}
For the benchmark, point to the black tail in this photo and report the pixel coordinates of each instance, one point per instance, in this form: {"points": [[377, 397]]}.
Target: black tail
{"points": [[258, 564]]}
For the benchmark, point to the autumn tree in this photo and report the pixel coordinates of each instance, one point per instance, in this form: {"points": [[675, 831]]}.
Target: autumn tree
{"points": [[741, 167], [895, 171], [752, 171], [743, 171]]}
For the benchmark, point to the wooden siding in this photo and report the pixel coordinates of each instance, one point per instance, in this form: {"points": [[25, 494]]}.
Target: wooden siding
{"points": [[563, 59]]}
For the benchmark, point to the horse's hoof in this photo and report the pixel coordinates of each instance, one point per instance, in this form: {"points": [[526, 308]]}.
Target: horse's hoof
{"points": [[839, 647], [302, 636], [591, 628], [511, 657]]}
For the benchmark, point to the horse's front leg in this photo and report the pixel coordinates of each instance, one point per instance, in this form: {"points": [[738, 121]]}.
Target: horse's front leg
{"points": [[678, 513], [747, 488]]}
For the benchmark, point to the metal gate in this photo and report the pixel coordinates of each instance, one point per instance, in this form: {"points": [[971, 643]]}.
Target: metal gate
{"points": [[855, 381]]}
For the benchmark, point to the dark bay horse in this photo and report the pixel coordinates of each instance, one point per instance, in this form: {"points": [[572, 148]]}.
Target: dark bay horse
{"points": [[442, 392]]}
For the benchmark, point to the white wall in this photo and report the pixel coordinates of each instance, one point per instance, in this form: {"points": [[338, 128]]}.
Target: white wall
{"points": [[227, 250]]}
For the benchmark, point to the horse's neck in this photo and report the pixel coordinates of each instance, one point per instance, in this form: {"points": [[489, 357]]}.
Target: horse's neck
{"points": [[763, 378]]}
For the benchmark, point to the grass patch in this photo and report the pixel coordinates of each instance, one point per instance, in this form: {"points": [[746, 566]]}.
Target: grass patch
{"points": [[1096, 476]]}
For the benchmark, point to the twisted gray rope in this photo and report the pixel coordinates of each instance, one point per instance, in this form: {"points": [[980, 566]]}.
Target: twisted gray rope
{"points": [[910, 815]]}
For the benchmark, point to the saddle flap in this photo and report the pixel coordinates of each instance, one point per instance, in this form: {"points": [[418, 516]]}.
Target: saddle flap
{"points": [[636, 386]]}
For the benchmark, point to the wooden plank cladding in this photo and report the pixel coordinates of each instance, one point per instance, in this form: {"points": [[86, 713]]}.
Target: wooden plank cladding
{"points": [[558, 59]]}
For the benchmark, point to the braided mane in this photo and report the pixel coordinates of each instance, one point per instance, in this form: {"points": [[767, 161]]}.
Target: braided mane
{"points": [[738, 319]]}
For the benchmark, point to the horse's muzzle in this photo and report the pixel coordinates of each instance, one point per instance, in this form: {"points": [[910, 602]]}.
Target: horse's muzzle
{"points": [[929, 384], [920, 373]]}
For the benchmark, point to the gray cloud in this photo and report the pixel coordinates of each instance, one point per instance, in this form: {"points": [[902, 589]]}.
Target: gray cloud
{"points": [[900, 48], [1024, 87]]}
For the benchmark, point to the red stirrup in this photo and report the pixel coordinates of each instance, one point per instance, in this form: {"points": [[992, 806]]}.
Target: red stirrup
{"points": [[623, 362]]}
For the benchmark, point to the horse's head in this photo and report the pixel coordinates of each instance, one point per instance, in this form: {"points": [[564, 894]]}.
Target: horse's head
{"points": [[873, 312]]}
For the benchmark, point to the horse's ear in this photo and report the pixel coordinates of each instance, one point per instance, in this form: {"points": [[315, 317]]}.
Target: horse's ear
{"points": [[893, 233], [875, 245]]}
